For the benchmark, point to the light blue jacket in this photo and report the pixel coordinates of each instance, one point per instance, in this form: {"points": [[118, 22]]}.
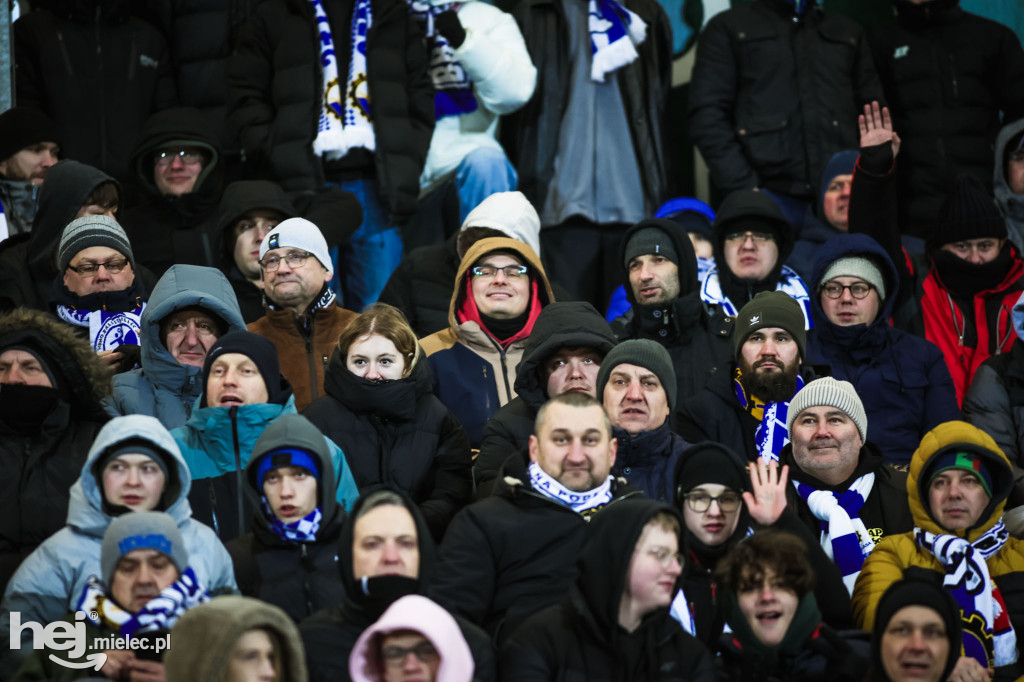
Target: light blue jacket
{"points": [[50, 580], [162, 388]]}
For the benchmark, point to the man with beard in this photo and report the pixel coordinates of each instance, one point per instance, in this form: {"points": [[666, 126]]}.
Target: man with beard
{"points": [[744, 405], [29, 146]]}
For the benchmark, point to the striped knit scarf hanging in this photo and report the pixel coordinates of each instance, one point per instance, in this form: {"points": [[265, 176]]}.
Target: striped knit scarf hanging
{"points": [[614, 34], [771, 434], [453, 89], [789, 283]]}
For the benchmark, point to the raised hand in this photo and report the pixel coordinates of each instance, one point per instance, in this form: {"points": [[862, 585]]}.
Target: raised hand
{"points": [[876, 128], [768, 499]]}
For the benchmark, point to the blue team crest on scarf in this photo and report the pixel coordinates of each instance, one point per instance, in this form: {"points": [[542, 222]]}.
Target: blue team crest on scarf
{"points": [[452, 85]]}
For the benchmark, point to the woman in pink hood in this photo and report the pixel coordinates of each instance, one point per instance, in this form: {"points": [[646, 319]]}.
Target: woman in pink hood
{"points": [[414, 641]]}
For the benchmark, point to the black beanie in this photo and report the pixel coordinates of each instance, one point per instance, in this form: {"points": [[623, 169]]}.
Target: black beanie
{"points": [[642, 353], [708, 462], [917, 592], [770, 309], [262, 352], [22, 127], [649, 240], [968, 213]]}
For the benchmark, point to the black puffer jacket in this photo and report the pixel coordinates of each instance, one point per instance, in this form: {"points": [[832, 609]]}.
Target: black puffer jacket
{"points": [[947, 75], [276, 90], [399, 434], [716, 414], [40, 464], [298, 577], [170, 229], [698, 341], [330, 635], [580, 639], [97, 98], [559, 325], [422, 284], [774, 96]]}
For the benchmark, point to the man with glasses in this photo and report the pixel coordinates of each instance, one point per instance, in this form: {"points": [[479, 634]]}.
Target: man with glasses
{"points": [[906, 376], [500, 289], [303, 318], [98, 292], [752, 241]]}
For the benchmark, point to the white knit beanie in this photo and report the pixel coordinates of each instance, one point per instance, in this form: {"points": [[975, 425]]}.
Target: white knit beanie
{"points": [[831, 393], [510, 213], [855, 266], [298, 233]]}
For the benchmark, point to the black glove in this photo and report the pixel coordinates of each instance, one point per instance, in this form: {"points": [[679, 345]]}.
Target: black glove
{"points": [[877, 159], [447, 24]]}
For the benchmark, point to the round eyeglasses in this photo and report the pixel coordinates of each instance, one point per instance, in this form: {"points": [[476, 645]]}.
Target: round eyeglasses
{"points": [[858, 290], [700, 502]]}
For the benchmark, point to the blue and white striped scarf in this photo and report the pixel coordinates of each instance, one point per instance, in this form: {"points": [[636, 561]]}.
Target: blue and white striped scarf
{"points": [[107, 330], [844, 537], [584, 503], [303, 530], [771, 434], [453, 89], [789, 283], [968, 580], [614, 33], [346, 121], [160, 613]]}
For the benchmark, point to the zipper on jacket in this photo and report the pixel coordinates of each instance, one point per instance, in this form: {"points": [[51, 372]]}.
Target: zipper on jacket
{"points": [[64, 53], [233, 414], [133, 59], [213, 505], [306, 587], [958, 326], [309, 356], [504, 375]]}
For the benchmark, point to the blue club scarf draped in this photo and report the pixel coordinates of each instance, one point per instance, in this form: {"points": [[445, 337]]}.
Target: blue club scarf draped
{"points": [[453, 89], [159, 614], [771, 434], [303, 530], [614, 34]]}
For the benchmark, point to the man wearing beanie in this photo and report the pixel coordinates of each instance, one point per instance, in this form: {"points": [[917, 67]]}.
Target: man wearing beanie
{"points": [[830, 217], [661, 284], [289, 558], [303, 318], [244, 392], [1008, 178], [636, 384], [146, 584], [898, 652], [98, 292], [745, 403], [960, 299], [904, 377], [28, 146], [752, 242], [844, 495], [958, 485], [500, 289]]}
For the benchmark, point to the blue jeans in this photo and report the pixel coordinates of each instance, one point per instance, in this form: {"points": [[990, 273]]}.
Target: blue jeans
{"points": [[363, 265], [480, 174]]}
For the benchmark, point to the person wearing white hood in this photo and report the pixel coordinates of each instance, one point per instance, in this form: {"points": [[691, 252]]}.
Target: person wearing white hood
{"points": [[134, 465]]}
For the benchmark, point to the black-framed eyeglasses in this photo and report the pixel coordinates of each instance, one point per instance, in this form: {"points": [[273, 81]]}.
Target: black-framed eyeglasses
{"points": [[758, 237], [858, 290], [490, 271], [700, 502], [113, 266], [394, 656], [188, 157], [295, 260]]}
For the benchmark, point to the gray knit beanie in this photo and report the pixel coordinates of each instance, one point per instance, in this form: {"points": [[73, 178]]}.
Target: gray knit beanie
{"points": [[855, 266], [642, 353], [141, 530], [831, 393], [649, 240], [770, 309], [93, 230]]}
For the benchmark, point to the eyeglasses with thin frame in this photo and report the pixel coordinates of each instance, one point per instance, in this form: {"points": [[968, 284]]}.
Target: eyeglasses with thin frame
{"points": [[758, 237], [295, 259], [1017, 156], [188, 157], [664, 557], [490, 271], [700, 502], [113, 266], [858, 290], [394, 656]]}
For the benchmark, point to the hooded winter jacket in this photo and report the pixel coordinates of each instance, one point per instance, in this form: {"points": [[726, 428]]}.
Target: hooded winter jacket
{"points": [[473, 374], [775, 93], [902, 379], [217, 442], [175, 228], [41, 464], [721, 287], [205, 636], [30, 261], [899, 555], [947, 75], [93, 51], [512, 553], [1010, 203], [580, 638], [49, 582], [716, 414], [276, 92], [161, 387], [565, 324], [697, 338], [298, 577], [398, 433], [419, 614], [330, 635]]}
